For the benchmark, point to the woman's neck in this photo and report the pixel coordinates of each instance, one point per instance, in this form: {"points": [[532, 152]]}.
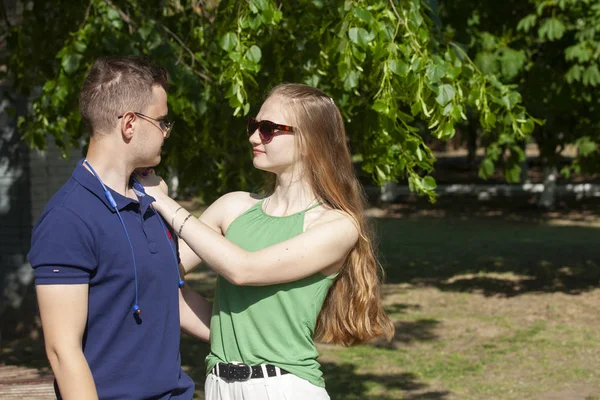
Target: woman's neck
{"points": [[292, 194]]}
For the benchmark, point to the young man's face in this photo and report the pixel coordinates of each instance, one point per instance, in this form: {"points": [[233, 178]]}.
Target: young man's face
{"points": [[152, 132]]}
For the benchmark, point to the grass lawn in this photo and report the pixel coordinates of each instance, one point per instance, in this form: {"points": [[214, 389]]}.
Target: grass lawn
{"points": [[485, 307], [487, 303]]}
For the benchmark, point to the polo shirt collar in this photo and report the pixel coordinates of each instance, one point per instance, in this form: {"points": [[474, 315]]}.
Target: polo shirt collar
{"points": [[91, 183]]}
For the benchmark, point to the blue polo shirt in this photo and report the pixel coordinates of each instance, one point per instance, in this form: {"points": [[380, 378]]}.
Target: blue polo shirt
{"points": [[79, 239]]}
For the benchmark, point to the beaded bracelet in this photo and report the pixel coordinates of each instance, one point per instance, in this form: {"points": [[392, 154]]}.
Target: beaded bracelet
{"points": [[182, 224]]}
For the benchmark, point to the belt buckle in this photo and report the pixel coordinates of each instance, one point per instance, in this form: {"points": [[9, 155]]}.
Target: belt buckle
{"points": [[236, 373]]}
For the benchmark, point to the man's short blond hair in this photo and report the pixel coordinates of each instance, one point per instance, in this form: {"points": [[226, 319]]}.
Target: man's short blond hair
{"points": [[116, 85]]}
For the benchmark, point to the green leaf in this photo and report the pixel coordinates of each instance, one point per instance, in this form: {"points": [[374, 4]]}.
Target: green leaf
{"points": [[145, 31], [591, 76], [486, 169], [351, 81], [381, 176], [486, 62], [398, 67], [70, 63], [552, 28], [488, 41], [586, 146], [415, 108], [429, 183], [448, 109], [512, 62], [581, 51], [513, 174], [445, 94], [49, 86], [511, 99], [254, 54], [448, 130], [228, 41], [112, 14], [363, 14], [79, 46], [435, 72], [358, 53], [574, 74], [380, 106], [360, 36], [528, 127], [527, 23], [259, 5]]}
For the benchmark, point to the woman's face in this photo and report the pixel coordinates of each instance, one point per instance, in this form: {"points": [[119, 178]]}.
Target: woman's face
{"points": [[279, 155]]}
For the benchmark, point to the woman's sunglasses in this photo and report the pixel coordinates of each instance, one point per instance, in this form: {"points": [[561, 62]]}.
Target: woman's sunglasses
{"points": [[266, 129]]}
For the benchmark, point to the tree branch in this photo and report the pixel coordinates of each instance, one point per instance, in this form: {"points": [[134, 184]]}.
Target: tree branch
{"points": [[5, 16], [182, 44], [124, 16], [467, 57], [131, 24], [200, 74], [87, 14], [395, 10]]}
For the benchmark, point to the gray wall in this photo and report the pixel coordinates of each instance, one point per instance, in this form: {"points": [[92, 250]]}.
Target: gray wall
{"points": [[28, 178]]}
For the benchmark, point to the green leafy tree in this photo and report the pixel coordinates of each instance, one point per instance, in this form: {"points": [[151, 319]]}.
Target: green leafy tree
{"points": [[385, 63], [549, 49]]}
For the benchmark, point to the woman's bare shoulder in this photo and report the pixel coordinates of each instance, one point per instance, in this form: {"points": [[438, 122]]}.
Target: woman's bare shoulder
{"points": [[324, 214], [239, 199], [230, 206]]}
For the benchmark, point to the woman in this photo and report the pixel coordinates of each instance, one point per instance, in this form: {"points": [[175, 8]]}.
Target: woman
{"points": [[297, 265]]}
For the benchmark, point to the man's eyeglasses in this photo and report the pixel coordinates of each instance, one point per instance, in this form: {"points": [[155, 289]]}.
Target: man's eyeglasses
{"points": [[164, 125]]}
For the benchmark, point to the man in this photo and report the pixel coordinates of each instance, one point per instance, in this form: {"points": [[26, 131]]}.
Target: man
{"points": [[106, 266]]}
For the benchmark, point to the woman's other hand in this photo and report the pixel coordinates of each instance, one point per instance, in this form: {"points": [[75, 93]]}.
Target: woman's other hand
{"points": [[153, 184]]}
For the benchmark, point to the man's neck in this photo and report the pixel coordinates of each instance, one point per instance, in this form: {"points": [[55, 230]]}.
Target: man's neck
{"points": [[111, 168]]}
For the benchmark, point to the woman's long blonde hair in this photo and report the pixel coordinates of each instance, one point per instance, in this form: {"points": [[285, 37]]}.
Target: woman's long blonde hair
{"points": [[353, 311]]}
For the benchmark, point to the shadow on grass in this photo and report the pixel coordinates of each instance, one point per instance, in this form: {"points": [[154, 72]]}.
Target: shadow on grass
{"points": [[492, 257], [520, 209], [345, 383], [193, 354], [409, 332], [25, 352], [342, 380]]}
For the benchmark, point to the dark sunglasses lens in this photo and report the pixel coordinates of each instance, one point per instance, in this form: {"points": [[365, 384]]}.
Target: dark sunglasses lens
{"points": [[251, 127], [266, 131]]}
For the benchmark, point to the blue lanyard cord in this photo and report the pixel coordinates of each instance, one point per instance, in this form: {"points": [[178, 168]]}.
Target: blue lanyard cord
{"points": [[180, 283], [136, 307], [113, 203]]}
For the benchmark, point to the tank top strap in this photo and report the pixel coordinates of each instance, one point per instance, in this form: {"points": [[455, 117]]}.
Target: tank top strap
{"points": [[315, 206]]}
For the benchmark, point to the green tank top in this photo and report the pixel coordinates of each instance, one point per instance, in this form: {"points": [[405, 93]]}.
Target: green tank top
{"points": [[271, 324]]}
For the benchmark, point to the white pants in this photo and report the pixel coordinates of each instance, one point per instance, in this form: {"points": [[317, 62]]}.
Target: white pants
{"points": [[280, 387]]}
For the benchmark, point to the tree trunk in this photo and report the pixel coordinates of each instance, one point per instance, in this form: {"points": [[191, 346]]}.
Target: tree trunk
{"points": [[524, 167], [471, 144], [173, 183], [388, 192], [548, 196]]}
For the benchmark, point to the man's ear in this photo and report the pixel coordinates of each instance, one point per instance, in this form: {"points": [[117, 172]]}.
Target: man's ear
{"points": [[128, 123]]}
